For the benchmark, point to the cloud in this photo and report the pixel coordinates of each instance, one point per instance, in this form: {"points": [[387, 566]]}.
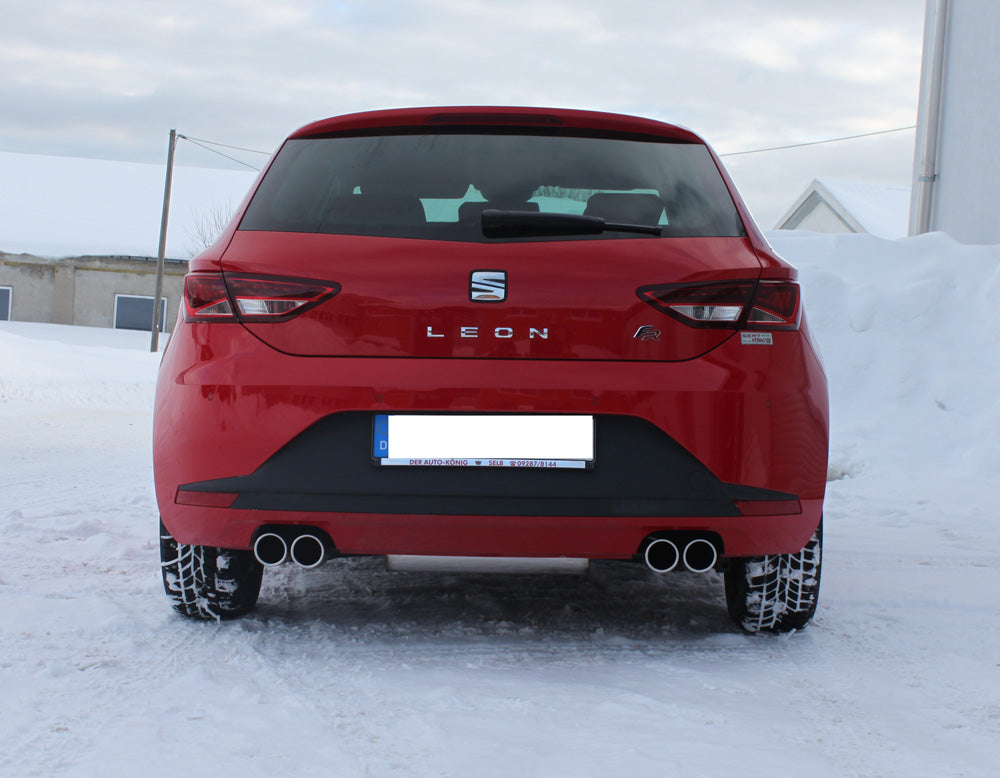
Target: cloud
{"points": [[878, 57], [108, 78]]}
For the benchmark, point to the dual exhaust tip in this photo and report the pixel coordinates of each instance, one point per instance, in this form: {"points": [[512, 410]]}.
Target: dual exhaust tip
{"points": [[698, 555], [306, 550], [661, 554]]}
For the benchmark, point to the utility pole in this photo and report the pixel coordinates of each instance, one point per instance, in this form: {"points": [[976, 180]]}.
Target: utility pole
{"points": [[154, 341]]}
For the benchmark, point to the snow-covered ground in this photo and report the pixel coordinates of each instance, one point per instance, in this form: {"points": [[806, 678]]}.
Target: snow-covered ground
{"points": [[349, 670]]}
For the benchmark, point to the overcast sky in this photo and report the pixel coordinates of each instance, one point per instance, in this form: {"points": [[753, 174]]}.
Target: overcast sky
{"points": [[109, 78]]}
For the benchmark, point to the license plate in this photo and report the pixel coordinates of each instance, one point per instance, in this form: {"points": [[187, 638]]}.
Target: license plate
{"points": [[460, 440]]}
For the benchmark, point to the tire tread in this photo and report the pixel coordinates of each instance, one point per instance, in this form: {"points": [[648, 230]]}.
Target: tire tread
{"points": [[208, 583], [778, 592]]}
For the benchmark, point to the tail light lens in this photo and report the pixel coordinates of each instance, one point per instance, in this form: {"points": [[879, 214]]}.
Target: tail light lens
{"points": [[706, 305], [217, 297], [206, 298], [775, 307], [764, 305]]}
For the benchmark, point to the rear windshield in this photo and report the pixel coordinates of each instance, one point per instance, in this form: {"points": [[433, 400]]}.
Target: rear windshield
{"points": [[436, 186]]}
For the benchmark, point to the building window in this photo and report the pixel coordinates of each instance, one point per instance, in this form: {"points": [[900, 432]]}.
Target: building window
{"points": [[133, 312], [6, 293]]}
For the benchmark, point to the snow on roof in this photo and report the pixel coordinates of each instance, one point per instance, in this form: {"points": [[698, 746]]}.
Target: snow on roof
{"points": [[881, 210], [70, 206]]}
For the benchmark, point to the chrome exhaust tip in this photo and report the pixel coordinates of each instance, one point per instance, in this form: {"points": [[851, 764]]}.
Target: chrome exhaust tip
{"points": [[270, 549], [661, 555], [700, 555], [308, 551]]}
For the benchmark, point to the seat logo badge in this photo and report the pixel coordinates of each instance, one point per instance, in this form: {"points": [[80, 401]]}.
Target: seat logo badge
{"points": [[488, 286], [647, 332]]}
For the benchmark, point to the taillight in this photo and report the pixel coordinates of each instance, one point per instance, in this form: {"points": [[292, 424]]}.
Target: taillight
{"points": [[206, 298], [217, 297], [775, 307], [765, 305], [706, 305]]}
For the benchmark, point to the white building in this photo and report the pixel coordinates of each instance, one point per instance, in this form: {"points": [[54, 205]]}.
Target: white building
{"points": [[828, 205], [957, 162]]}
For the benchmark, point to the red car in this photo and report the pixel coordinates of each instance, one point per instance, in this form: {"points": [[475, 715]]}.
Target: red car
{"points": [[543, 335]]}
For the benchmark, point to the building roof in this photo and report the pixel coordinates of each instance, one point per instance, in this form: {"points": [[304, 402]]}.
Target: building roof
{"points": [[828, 205], [70, 206]]}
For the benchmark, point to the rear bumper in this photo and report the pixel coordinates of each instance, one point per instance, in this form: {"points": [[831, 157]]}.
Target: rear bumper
{"points": [[231, 412], [590, 537]]}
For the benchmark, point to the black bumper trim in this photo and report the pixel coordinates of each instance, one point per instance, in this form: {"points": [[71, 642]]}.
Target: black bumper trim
{"points": [[639, 471]]}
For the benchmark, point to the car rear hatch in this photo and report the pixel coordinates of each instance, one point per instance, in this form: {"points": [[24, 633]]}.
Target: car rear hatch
{"points": [[486, 242]]}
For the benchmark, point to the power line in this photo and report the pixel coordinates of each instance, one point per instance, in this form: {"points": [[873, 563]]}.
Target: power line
{"points": [[820, 142], [226, 146], [216, 151], [205, 144]]}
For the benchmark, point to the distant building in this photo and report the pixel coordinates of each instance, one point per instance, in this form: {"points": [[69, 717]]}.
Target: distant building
{"points": [[76, 236], [88, 291], [72, 207], [850, 206]]}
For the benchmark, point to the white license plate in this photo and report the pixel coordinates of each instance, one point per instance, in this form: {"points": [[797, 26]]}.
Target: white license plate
{"points": [[461, 440]]}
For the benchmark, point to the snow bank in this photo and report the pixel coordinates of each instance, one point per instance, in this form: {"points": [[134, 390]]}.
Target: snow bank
{"points": [[76, 366], [910, 331]]}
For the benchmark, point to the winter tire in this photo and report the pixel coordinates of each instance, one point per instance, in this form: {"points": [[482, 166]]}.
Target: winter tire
{"points": [[776, 593], [208, 583]]}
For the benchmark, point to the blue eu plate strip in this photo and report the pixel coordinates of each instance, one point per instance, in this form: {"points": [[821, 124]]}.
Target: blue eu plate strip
{"points": [[380, 443]]}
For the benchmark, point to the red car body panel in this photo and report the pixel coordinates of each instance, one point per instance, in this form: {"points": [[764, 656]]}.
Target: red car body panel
{"points": [[394, 289], [493, 116], [228, 402], [230, 395]]}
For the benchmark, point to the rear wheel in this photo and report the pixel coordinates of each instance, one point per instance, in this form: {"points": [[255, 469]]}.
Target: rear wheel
{"points": [[776, 593], [208, 583]]}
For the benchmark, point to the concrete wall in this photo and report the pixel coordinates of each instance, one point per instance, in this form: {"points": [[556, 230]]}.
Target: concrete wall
{"points": [[81, 290], [964, 200], [31, 287]]}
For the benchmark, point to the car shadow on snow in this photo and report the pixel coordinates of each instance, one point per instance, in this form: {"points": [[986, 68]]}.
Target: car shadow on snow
{"points": [[614, 600]]}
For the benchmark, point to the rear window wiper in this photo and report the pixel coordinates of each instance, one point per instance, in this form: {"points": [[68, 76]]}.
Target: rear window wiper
{"points": [[535, 224]]}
